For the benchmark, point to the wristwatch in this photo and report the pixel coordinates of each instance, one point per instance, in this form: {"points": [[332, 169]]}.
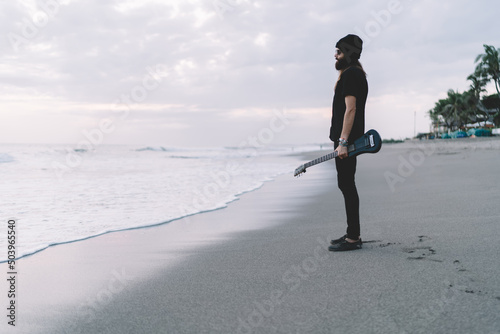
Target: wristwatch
{"points": [[342, 142]]}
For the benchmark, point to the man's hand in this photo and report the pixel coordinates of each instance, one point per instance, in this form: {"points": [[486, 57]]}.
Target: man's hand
{"points": [[342, 151]]}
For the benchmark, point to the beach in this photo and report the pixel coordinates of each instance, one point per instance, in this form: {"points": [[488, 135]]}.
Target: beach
{"points": [[429, 262]]}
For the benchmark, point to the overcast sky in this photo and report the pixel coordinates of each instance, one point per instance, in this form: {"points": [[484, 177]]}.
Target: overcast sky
{"points": [[218, 72]]}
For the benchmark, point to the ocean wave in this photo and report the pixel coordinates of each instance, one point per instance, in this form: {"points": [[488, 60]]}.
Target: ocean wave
{"points": [[221, 204], [183, 157], [154, 149], [4, 157], [118, 188]]}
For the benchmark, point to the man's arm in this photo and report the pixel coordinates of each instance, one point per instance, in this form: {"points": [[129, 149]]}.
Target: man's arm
{"points": [[350, 112]]}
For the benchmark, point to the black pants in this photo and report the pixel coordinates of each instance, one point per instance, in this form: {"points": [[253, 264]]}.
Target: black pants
{"points": [[346, 168]]}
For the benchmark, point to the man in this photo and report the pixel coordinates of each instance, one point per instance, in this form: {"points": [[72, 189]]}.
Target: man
{"points": [[348, 123]]}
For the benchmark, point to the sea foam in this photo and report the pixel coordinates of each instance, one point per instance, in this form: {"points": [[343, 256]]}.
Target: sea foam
{"points": [[115, 188]]}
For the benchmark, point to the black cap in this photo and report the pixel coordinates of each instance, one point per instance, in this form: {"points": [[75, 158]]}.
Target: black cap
{"points": [[351, 46]]}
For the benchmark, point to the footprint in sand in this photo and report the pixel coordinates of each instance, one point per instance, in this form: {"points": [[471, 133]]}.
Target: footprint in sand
{"points": [[467, 283], [422, 238], [464, 284], [385, 244], [421, 252], [459, 266]]}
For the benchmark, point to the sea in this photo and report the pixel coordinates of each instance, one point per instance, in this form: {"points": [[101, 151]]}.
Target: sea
{"points": [[57, 194]]}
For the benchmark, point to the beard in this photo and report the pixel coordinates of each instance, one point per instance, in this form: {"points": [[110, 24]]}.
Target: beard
{"points": [[341, 64]]}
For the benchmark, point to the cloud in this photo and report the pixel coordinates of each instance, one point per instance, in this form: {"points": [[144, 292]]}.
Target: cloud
{"points": [[223, 56]]}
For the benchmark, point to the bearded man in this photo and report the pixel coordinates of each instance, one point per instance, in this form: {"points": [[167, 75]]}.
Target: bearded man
{"points": [[348, 123]]}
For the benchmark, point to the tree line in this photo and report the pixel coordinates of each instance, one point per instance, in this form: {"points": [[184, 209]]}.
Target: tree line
{"points": [[459, 109]]}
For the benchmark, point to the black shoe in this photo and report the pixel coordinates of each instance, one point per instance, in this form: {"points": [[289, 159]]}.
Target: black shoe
{"points": [[345, 246], [339, 240], [342, 239]]}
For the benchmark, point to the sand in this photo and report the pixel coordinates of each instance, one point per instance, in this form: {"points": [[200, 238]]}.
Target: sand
{"points": [[429, 218]]}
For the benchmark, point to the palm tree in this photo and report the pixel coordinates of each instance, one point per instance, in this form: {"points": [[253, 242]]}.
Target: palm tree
{"points": [[455, 112], [473, 99], [435, 118], [437, 114], [458, 109], [471, 113], [488, 66], [477, 85], [492, 102]]}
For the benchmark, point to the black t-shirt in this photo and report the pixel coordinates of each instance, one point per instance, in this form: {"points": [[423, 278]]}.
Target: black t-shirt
{"points": [[352, 82]]}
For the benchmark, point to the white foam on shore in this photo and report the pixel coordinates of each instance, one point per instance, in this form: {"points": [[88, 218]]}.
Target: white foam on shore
{"points": [[117, 188]]}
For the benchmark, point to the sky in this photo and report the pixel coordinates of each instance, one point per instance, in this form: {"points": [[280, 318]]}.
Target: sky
{"points": [[226, 72]]}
